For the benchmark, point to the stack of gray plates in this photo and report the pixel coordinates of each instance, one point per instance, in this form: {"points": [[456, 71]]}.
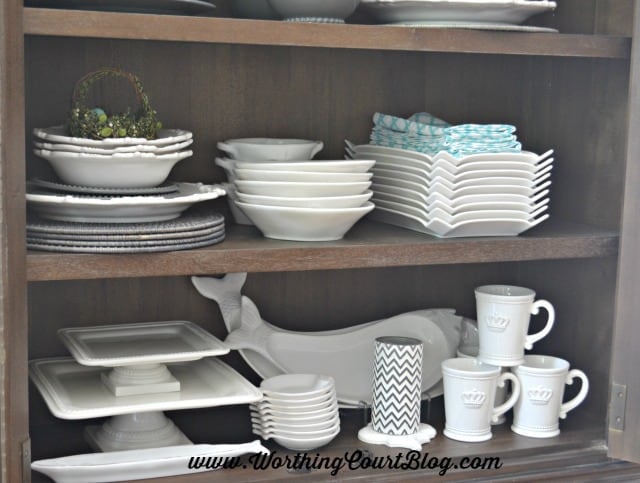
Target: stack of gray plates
{"points": [[195, 228]]}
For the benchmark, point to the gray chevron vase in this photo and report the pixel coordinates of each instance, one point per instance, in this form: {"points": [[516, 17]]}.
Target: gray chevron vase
{"points": [[397, 386]]}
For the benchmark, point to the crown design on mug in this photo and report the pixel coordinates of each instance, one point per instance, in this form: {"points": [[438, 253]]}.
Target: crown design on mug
{"points": [[473, 398], [540, 395], [497, 323]]}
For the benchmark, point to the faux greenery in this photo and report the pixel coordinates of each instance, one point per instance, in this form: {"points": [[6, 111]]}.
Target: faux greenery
{"points": [[95, 123]]}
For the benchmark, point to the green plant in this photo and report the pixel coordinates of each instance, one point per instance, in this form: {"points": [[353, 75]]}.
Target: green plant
{"points": [[95, 123]]}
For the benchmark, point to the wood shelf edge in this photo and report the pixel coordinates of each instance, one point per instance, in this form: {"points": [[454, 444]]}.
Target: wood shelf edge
{"points": [[94, 24], [369, 245]]}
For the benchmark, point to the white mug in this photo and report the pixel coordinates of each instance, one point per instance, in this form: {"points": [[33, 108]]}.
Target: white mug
{"points": [[540, 406], [503, 314], [501, 392], [469, 398]]}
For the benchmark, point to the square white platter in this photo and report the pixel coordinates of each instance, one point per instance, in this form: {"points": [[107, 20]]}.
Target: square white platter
{"points": [[74, 391]]}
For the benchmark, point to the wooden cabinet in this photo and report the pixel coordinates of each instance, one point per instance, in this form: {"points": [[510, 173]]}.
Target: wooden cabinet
{"points": [[574, 91]]}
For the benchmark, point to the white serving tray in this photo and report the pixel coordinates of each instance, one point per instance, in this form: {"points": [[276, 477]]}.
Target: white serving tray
{"points": [[74, 391], [142, 343], [139, 464]]}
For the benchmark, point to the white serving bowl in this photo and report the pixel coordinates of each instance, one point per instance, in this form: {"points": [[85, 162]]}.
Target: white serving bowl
{"points": [[309, 433], [304, 224], [270, 149], [290, 407], [294, 418], [351, 201], [304, 176], [58, 134], [324, 397], [304, 444], [318, 166], [119, 170], [298, 426], [325, 11], [300, 189], [133, 148]]}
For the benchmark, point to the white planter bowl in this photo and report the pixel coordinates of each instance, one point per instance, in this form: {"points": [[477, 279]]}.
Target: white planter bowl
{"points": [[270, 149], [325, 11], [304, 224], [120, 170]]}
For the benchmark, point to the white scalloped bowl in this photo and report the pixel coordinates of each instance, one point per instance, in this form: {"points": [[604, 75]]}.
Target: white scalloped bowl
{"points": [[304, 224], [321, 11], [270, 149], [119, 170]]}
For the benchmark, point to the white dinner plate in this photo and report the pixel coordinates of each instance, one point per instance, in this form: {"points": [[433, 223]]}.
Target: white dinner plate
{"points": [[121, 209]]}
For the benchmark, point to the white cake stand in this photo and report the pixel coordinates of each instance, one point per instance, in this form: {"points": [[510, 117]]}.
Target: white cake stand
{"points": [[133, 373]]}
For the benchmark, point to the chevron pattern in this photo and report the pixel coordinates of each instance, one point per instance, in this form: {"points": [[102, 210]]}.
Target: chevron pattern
{"points": [[397, 385]]}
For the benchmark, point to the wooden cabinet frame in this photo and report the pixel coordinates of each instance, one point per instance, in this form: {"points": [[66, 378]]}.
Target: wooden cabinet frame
{"points": [[370, 247]]}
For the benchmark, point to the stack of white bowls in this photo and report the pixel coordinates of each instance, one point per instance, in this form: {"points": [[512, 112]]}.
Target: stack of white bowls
{"points": [[298, 411], [288, 196], [112, 162], [483, 194]]}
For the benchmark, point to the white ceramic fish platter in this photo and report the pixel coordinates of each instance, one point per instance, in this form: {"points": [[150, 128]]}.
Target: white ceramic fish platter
{"points": [[344, 354]]}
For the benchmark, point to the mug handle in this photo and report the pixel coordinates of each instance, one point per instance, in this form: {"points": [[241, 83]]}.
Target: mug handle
{"points": [[509, 403], [228, 148], [569, 405], [535, 308]]}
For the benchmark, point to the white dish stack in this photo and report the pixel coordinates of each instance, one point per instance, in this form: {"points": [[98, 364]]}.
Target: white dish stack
{"points": [[481, 194], [298, 411], [288, 196]]}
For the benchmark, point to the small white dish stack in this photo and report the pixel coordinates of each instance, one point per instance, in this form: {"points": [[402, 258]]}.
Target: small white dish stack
{"points": [[482, 194], [295, 198], [298, 411]]}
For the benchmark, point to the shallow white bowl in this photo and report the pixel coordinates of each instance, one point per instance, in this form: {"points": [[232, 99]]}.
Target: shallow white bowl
{"points": [[302, 444], [319, 166], [270, 149], [351, 201], [119, 170], [333, 11], [300, 189], [297, 385], [304, 176], [308, 433], [268, 424], [304, 224]]}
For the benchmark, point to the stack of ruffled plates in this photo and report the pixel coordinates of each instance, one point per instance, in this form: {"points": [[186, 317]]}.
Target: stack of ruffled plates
{"points": [[488, 194], [298, 411], [112, 162]]}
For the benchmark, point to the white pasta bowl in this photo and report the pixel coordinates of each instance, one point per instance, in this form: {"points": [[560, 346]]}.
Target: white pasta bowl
{"points": [[300, 189], [304, 176], [119, 170], [351, 201], [304, 224], [270, 149]]}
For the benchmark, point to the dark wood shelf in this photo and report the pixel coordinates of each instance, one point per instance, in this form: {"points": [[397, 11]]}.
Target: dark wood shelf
{"points": [[368, 244], [91, 24]]}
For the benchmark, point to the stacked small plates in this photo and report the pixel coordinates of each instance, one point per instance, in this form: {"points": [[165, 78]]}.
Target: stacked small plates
{"points": [[488, 194], [302, 200], [298, 411], [112, 162]]}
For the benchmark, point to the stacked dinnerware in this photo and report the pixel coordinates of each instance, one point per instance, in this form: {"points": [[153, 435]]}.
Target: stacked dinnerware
{"points": [[112, 162], [113, 196], [298, 411], [298, 199], [483, 194]]}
